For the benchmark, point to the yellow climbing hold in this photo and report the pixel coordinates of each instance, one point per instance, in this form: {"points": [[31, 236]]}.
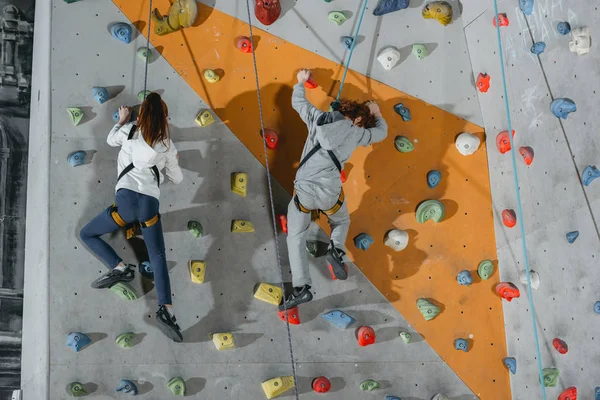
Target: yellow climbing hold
{"points": [[197, 270], [76, 115], [240, 225], [223, 341], [238, 183], [441, 11], [276, 386], [204, 118], [268, 293], [211, 76]]}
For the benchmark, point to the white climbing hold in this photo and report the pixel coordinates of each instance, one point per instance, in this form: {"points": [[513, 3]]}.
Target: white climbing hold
{"points": [[440, 396], [467, 144], [389, 57], [534, 276], [580, 41], [396, 239]]}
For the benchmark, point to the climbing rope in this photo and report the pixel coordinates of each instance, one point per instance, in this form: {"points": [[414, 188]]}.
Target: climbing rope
{"points": [[519, 206], [272, 203], [147, 49]]}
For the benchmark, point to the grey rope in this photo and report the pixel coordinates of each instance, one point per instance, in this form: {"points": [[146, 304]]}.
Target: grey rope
{"points": [[147, 49]]}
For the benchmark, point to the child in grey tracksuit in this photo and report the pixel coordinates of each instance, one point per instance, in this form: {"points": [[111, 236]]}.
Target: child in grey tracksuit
{"points": [[332, 138]]}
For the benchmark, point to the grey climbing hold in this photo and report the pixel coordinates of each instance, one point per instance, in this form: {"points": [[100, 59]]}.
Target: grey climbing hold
{"points": [[526, 6], [77, 340], [363, 241], [538, 48], [121, 31], [143, 94], [177, 386], [430, 210], [572, 236], [461, 344], [564, 28], [76, 115], [76, 158], [145, 54], [388, 58], [388, 6], [125, 340], [440, 396], [597, 307], [195, 228], [485, 269], [76, 389], [124, 291], [433, 178], [464, 278], [406, 336], [562, 107], [589, 174], [347, 42], [427, 309], [511, 364], [369, 385], [339, 319], [403, 111], [146, 270], [534, 277], [419, 51], [126, 386], [100, 94], [396, 239], [403, 144], [581, 41]]}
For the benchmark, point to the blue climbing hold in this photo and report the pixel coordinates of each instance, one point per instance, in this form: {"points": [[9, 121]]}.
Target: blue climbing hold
{"points": [[339, 319], [363, 241], [526, 6], [116, 116], [511, 364], [121, 31], [388, 6], [589, 174], [433, 178], [597, 393], [127, 386], [538, 48], [597, 307], [464, 278], [563, 107], [388, 397], [461, 344], [76, 158], [564, 28], [77, 340], [347, 42], [100, 94], [403, 111], [572, 236], [146, 270]]}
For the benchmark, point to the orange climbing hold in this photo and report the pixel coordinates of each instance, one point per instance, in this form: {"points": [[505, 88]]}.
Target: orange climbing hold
{"points": [[560, 346], [283, 223], [509, 218], [343, 176], [527, 154], [366, 336], [508, 291], [483, 82], [568, 394], [321, 384], [244, 44], [271, 138], [503, 141], [292, 315], [503, 18], [311, 83]]}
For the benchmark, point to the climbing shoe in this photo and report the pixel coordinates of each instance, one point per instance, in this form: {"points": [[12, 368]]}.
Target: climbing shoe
{"points": [[168, 324], [334, 257], [114, 276], [298, 296]]}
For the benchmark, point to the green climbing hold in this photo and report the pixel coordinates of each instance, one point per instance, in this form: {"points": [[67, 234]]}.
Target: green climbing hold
{"points": [[419, 51], [428, 309], [143, 94], [403, 144], [76, 115], [177, 386], [337, 17], [406, 336], [124, 291], [550, 376], [430, 209], [369, 385], [76, 389], [485, 269], [145, 54], [125, 340], [195, 228]]}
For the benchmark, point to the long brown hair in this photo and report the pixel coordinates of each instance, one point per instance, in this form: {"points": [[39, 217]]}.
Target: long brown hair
{"points": [[152, 121], [354, 109]]}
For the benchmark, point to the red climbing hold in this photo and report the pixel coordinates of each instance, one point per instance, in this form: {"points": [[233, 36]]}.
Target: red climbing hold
{"points": [[503, 141], [366, 336], [310, 83], [483, 82], [343, 176], [267, 11], [560, 346], [292, 315], [503, 18], [283, 223], [527, 154], [321, 384], [568, 394], [244, 44], [507, 291], [332, 273], [509, 218], [271, 138]]}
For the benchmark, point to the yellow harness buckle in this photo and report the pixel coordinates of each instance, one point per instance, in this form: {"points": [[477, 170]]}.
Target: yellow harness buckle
{"points": [[131, 229]]}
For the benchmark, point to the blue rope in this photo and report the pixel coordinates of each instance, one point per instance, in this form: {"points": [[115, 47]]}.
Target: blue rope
{"points": [[519, 206]]}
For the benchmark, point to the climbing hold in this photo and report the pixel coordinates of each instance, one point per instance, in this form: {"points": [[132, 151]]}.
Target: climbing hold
{"points": [[560, 346], [77, 340], [195, 228], [589, 174], [347, 42], [268, 293], [283, 223], [503, 141], [485, 269], [568, 394], [223, 341], [337, 17], [461, 344], [241, 226], [321, 384], [71, 1], [388, 6], [238, 183], [100, 94], [464, 278], [441, 11], [339, 319], [271, 139], [316, 248], [428, 309], [507, 291], [125, 340], [403, 144], [121, 31], [534, 277], [564, 28], [562, 107], [388, 58], [76, 158], [597, 393], [276, 386], [311, 83], [204, 118], [580, 40], [267, 11], [467, 144], [124, 291], [483, 82], [76, 389], [403, 111], [527, 154], [419, 51], [538, 48], [197, 270], [343, 176], [369, 385], [76, 115], [396, 239], [406, 336], [244, 44], [177, 386], [503, 18], [211, 76], [182, 14], [511, 364], [550, 376], [116, 117], [430, 210], [388, 397], [366, 336], [572, 236], [145, 54], [143, 94], [291, 315], [526, 6], [146, 270], [363, 241], [126, 386], [509, 218], [597, 307], [433, 178], [440, 396]]}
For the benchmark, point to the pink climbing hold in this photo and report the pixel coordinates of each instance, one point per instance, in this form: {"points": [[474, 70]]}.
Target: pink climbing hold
{"points": [[507, 291], [509, 218], [483, 82], [321, 384], [503, 18], [527, 154], [366, 336], [568, 394], [560, 346], [503, 141]]}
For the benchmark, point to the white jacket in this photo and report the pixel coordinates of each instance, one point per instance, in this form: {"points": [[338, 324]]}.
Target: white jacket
{"points": [[141, 179]]}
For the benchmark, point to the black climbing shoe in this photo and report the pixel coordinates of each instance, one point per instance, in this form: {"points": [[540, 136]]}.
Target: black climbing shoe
{"points": [[114, 276], [298, 296], [168, 324], [335, 259]]}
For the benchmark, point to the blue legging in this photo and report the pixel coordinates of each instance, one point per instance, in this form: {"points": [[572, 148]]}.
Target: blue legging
{"points": [[132, 207]]}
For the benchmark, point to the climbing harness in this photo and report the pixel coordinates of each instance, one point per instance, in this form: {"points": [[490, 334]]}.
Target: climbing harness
{"points": [[520, 209]]}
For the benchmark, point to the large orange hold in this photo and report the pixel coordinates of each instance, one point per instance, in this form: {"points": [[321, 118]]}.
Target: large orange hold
{"points": [[267, 11], [292, 315], [483, 82], [503, 141], [568, 394], [509, 218], [366, 336], [271, 138], [321, 384], [560, 346], [508, 291]]}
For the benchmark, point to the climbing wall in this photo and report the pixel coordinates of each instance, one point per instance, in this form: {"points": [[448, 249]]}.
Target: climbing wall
{"points": [[553, 197]]}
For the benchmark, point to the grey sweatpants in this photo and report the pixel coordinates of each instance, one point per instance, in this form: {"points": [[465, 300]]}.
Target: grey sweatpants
{"points": [[298, 224]]}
